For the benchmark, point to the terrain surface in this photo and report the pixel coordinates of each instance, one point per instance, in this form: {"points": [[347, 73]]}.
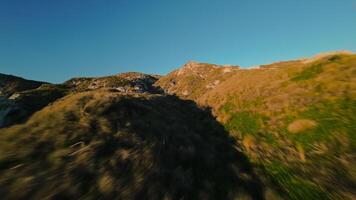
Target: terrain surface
{"points": [[280, 131]]}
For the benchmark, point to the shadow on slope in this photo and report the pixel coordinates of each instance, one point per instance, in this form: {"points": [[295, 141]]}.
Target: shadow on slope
{"points": [[105, 145]]}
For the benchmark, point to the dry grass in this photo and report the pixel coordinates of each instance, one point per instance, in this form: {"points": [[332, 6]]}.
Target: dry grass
{"points": [[108, 145]]}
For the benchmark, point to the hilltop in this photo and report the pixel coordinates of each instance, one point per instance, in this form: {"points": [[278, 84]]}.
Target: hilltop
{"points": [[194, 79]]}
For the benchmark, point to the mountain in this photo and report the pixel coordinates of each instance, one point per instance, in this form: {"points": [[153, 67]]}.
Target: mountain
{"points": [[294, 119], [119, 137], [285, 130]]}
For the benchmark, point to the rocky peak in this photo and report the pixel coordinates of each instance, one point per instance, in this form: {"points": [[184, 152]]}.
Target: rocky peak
{"points": [[193, 67], [195, 78], [191, 64]]}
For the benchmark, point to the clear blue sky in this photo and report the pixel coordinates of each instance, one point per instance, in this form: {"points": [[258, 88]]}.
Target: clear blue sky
{"points": [[54, 40]]}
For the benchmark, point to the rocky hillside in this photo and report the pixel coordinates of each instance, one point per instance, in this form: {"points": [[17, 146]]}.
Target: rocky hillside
{"points": [[194, 79], [294, 119]]}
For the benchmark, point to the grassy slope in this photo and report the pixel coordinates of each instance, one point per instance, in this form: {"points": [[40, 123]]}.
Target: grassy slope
{"points": [[313, 162], [296, 121], [108, 145]]}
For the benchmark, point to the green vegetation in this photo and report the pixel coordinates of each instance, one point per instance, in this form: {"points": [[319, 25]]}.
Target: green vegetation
{"points": [[331, 117], [294, 187], [332, 128], [244, 122], [309, 73]]}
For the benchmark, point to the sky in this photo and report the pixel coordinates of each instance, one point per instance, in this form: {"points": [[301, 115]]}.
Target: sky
{"points": [[54, 40]]}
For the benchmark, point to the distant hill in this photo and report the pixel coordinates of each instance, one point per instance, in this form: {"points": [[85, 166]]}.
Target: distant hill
{"points": [[284, 130], [23, 103], [10, 84]]}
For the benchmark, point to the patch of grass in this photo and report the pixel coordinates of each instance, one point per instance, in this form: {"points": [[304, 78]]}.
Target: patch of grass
{"points": [[331, 117], [258, 102], [270, 139], [309, 73], [228, 107], [244, 122], [294, 187]]}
